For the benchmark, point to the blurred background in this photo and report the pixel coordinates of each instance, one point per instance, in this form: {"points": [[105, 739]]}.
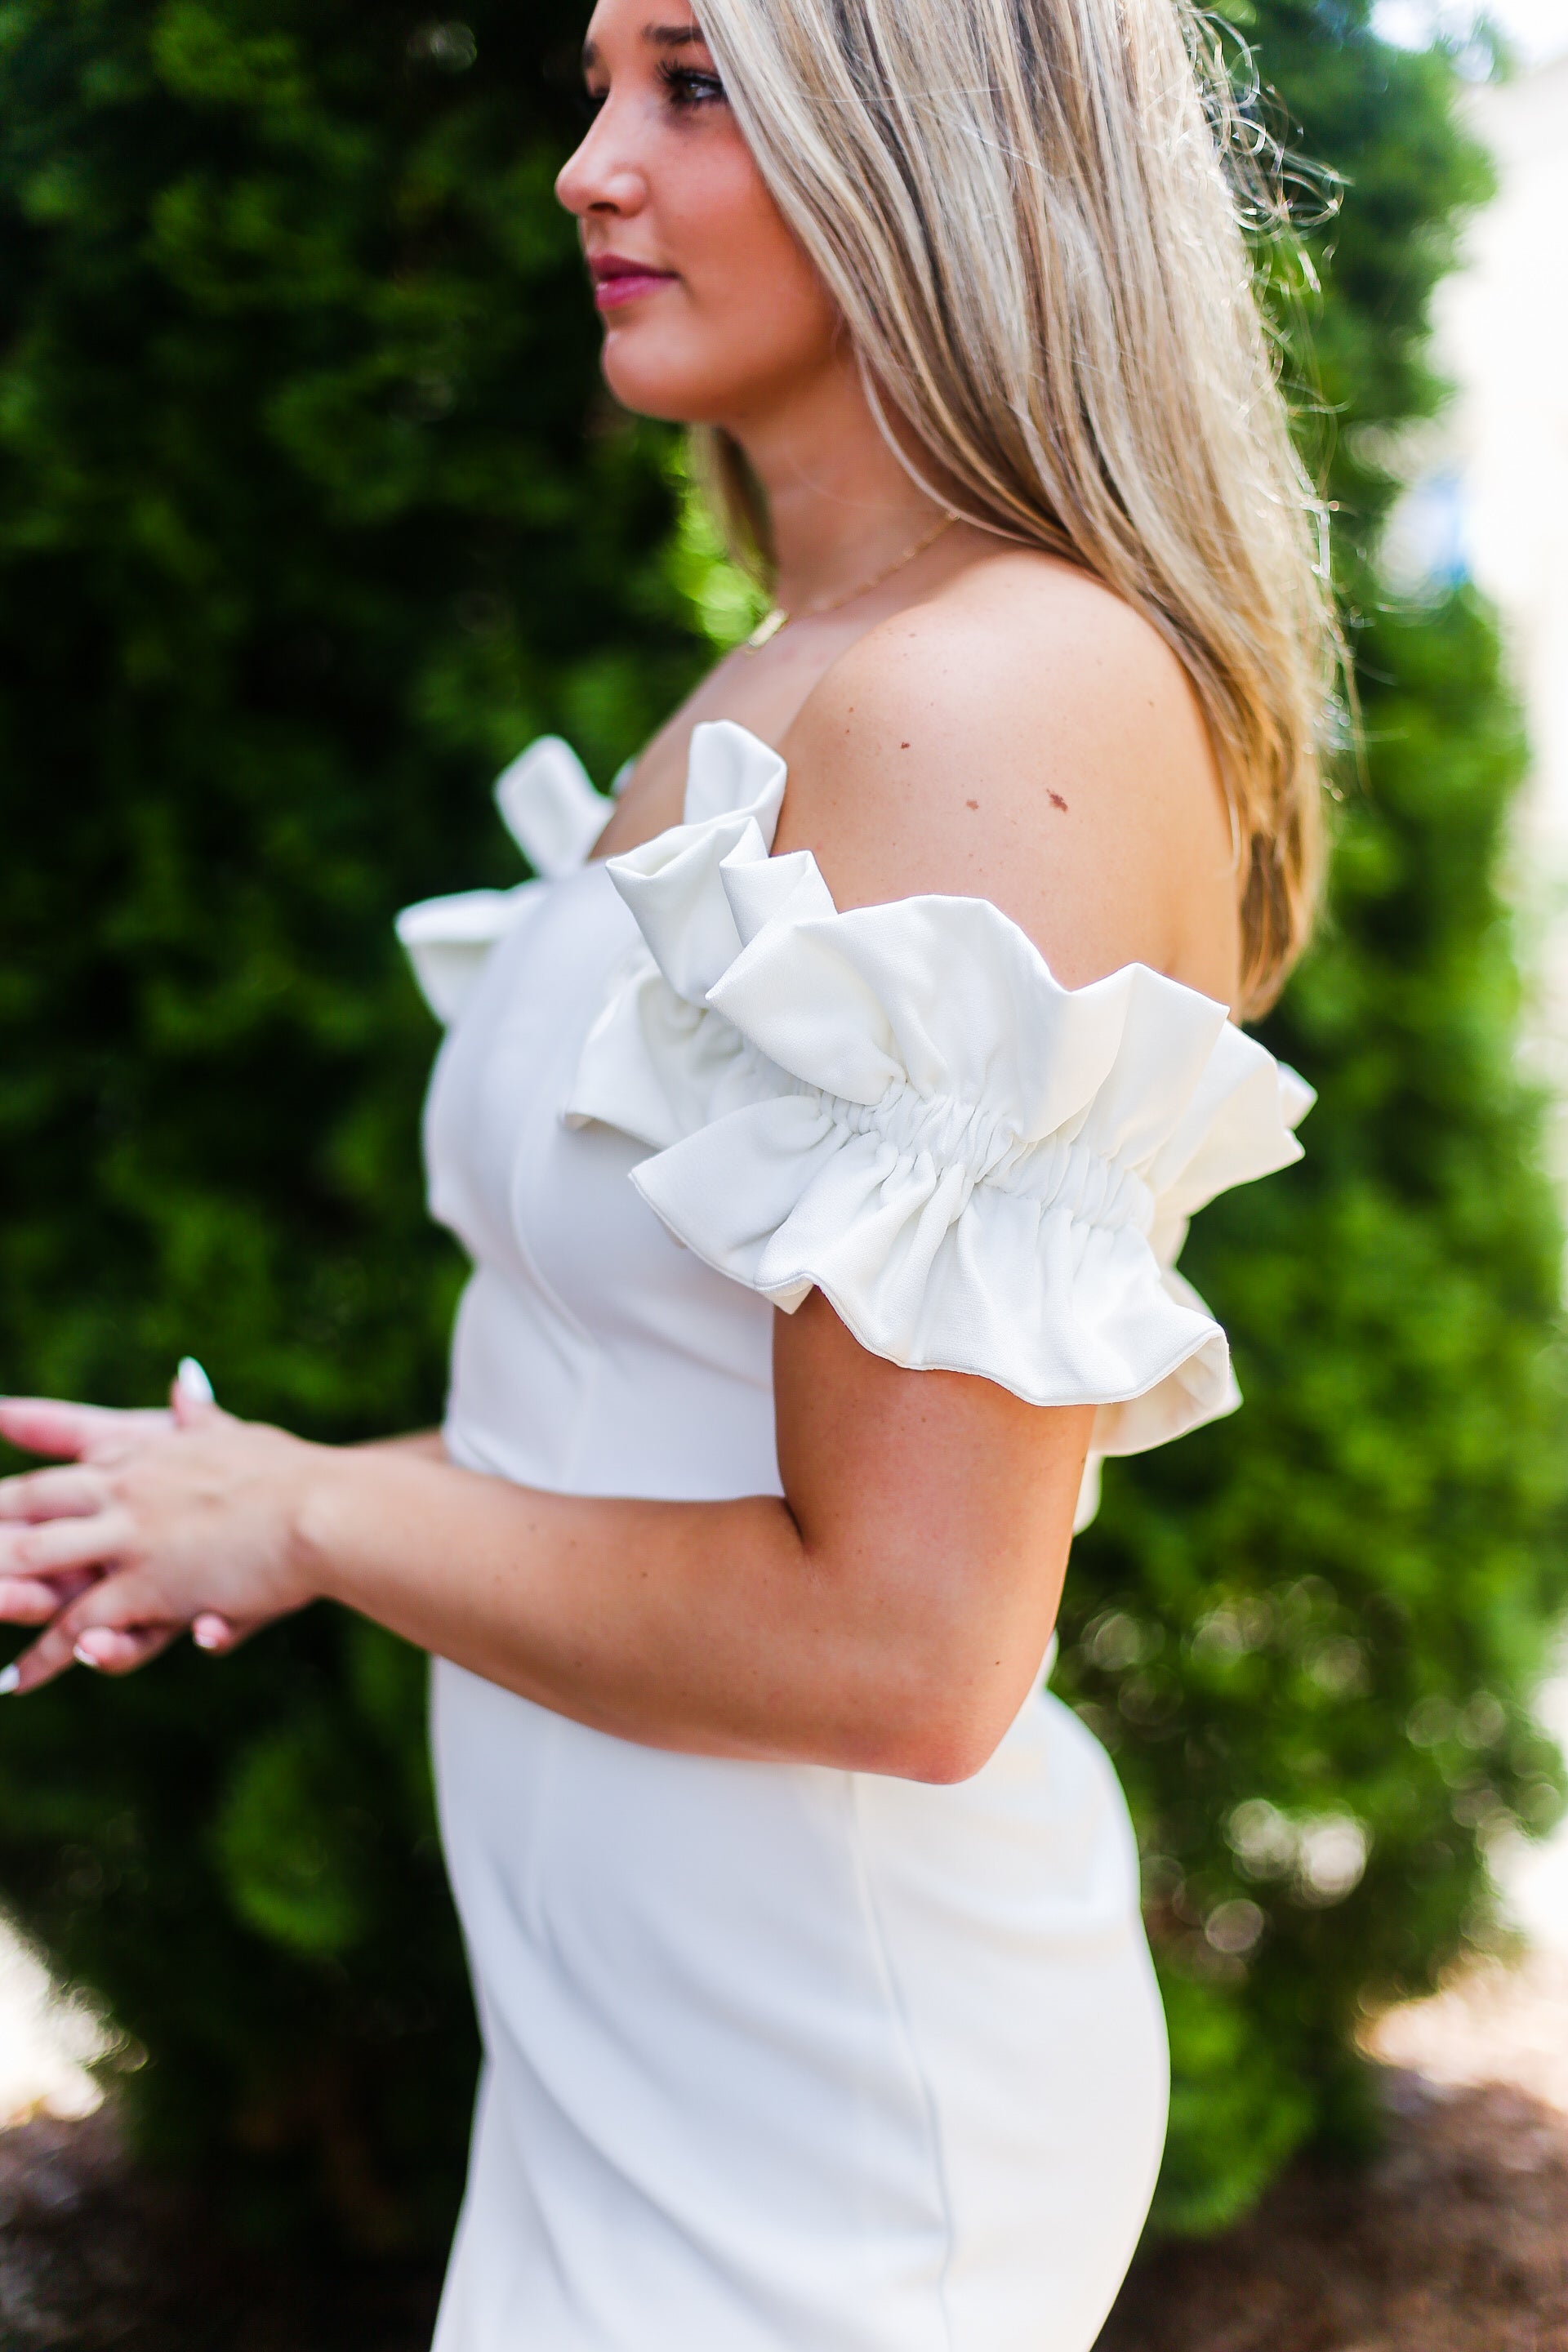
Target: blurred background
{"points": [[312, 514]]}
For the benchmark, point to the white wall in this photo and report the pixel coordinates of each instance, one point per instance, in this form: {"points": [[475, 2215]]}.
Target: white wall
{"points": [[1502, 335], [1489, 489]]}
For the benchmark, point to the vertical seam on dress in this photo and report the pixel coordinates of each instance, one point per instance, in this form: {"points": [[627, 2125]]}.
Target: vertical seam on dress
{"points": [[588, 1340], [592, 1380], [547, 1814], [900, 2013]]}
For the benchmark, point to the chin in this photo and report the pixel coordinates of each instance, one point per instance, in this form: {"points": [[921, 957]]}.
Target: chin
{"points": [[681, 378], [640, 381]]}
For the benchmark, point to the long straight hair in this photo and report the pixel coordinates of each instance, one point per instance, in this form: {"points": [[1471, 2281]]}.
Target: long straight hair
{"points": [[1024, 214]]}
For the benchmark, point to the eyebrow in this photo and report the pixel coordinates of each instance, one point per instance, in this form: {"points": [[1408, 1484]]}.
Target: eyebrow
{"points": [[657, 37]]}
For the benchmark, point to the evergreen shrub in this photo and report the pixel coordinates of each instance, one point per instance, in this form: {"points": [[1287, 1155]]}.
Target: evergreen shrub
{"points": [[310, 514]]}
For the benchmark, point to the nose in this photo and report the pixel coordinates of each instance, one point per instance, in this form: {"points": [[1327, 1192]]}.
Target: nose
{"points": [[603, 175]]}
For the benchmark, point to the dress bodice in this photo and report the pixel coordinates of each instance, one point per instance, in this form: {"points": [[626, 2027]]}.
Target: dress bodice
{"points": [[679, 1089]]}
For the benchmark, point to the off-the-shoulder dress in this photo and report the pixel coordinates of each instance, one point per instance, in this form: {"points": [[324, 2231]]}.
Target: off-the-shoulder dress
{"points": [[780, 2058]]}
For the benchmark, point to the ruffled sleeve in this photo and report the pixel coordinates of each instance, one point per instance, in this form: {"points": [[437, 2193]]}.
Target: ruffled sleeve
{"points": [[983, 1171], [554, 815]]}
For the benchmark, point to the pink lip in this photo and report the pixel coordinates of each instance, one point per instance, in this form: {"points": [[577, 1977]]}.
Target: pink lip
{"points": [[617, 280]]}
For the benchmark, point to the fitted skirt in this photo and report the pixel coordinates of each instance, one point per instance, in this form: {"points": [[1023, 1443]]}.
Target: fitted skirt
{"points": [[785, 2059]]}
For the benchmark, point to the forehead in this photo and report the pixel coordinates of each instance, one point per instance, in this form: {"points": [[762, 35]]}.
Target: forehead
{"points": [[656, 25]]}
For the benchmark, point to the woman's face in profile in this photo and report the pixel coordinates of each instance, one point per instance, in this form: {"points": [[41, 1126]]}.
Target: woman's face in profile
{"points": [[713, 313]]}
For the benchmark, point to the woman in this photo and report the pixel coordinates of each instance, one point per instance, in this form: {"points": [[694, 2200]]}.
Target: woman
{"points": [[892, 996]]}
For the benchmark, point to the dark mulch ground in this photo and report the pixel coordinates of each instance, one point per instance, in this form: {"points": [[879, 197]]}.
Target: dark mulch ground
{"points": [[1455, 2241], [94, 2258]]}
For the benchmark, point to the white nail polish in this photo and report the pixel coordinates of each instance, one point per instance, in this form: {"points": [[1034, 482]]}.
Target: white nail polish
{"points": [[195, 1381], [10, 1680], [205, 1637], [84, 1656]]}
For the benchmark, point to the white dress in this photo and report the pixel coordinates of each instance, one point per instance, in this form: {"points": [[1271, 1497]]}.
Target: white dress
{"points": [[780, 2058]]}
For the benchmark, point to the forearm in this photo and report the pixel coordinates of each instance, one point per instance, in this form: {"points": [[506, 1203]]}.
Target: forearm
{"points": [[708, 1627], [429, 1443], [888, 1616]]}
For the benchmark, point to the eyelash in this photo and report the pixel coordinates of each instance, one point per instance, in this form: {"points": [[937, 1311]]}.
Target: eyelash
{"points": [[688, 87]]}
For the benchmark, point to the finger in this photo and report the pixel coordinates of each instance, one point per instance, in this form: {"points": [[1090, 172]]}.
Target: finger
{"points": [[191, 1410], [114, 1650], [120, 1604], [218, 1636], [14, 1538], [49, 1656], [34, 1599], [46, 1425], [14, 1560], [61, 1547], [26, 1603], [52, 1494]]}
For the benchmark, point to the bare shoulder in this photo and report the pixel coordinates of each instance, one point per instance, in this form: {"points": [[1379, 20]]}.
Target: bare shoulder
{"points": [[1023, 736]]}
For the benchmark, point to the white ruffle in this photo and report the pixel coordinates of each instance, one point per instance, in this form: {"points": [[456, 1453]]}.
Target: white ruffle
{"points": [[658, 1061], [448, 941], [549, 807], [554, 815], [983, 1171]]}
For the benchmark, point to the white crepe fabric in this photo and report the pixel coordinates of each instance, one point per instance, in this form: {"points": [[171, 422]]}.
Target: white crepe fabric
{"points": [[782, 2058]]}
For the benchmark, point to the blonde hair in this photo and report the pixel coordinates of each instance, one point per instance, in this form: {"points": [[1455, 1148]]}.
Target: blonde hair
{"points": [[1022, 211]]}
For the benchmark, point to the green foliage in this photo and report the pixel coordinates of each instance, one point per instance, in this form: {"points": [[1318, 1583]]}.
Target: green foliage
{"points": [[1310, 1633], [310, 513]]}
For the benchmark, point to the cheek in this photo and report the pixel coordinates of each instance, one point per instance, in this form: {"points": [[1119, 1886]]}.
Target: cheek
{"points": [[750, 314]]}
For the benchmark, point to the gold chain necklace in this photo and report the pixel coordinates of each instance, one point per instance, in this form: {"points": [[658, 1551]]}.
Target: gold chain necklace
{"points": [[772, 622]]}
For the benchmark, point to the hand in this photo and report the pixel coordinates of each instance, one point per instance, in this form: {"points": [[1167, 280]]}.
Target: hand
{"points": [[160, 1521]]}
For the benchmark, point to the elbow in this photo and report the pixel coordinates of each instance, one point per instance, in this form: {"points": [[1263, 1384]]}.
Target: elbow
{"points": [[945, 1758], [939, 1736], [929, 1693], [954, 1691]]}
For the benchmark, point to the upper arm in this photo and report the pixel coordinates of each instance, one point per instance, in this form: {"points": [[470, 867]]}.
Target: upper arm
{"points": [[947, 1504], [1029, 740], [1041, 751]]}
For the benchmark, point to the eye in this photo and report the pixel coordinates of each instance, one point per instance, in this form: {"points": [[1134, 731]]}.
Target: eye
{"points": [[589, 101], [690, 86]]}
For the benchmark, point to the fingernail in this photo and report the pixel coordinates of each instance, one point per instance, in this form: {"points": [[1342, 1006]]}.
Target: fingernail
{"points": [[84, 1656], [10, 1680], [195, 1381], [206, 1636]]}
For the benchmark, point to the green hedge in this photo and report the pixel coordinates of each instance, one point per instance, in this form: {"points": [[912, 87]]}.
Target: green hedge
{"points": [[311, 513]]}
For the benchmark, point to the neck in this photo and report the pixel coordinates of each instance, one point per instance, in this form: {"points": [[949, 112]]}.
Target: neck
{"points": [[842, 507]]}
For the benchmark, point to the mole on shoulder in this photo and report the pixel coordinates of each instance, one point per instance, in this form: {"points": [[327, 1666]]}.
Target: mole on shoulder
{"points": [[1056, 801], [972, 803]]}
